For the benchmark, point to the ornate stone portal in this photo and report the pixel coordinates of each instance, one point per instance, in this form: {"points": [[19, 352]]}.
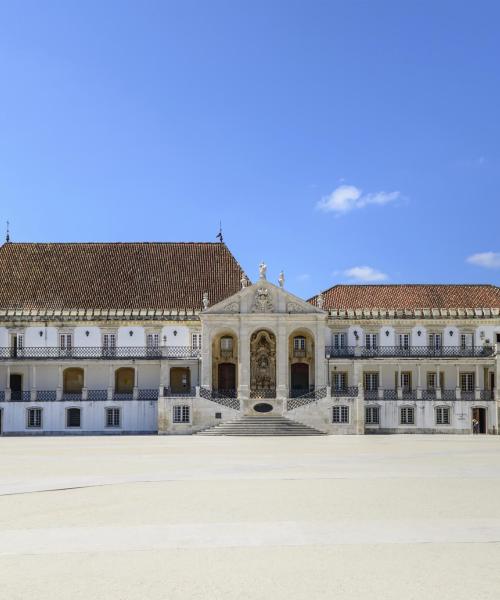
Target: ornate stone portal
{"points": [[263, 365]]}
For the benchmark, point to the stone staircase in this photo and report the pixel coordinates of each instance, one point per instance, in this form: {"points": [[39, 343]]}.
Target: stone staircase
{"points": [[261, 425]]}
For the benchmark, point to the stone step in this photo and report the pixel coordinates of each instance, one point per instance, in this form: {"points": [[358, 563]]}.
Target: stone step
{"points": [[261, 426]]}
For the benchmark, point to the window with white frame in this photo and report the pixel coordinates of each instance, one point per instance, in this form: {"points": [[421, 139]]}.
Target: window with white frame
{"points": [[371, 381], [226, 344], [339, 380], [442, 415], [65, 341], [340, 414], [406, 380], [404, 341], [407, 415], [19, 341], [196, 341], [73, 417], [109, 342], [431, 380], [153, 340], [371, 340], [435, 340], [299, 342], [34, 418], [339, 340], [372, 415], [113, 417], [467, 382], [181, 414], [466, 340]]}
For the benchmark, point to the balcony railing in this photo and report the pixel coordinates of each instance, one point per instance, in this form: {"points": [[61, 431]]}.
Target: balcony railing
{"points": [[306, 398], [263, 394], [347, 392], [98, 352], [409, 352], [227, 398], [189, 392]]}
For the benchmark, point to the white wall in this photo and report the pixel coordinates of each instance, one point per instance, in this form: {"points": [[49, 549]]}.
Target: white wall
{"points": [[33, 339], [81, 339], [138, 337], [180, 338]]}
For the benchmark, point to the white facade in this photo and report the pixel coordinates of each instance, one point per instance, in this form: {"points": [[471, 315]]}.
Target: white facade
{"points": [[263, 349]]}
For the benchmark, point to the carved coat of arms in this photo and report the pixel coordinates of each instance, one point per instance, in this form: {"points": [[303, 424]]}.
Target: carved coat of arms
{"points": [[263, 300]]}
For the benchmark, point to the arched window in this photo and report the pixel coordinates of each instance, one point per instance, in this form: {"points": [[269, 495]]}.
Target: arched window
{"points": [[73, 381], [226, 344], [124, 380]]}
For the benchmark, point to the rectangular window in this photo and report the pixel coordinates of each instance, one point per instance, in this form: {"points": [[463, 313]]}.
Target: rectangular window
{"points": [[109, 341], [299, 343], [65, 341], [371, 381], [339, 340], [431, 381], [34, 420], [73, 417], [153, 340], [339, 380], [442, 415], [20, 341], [371, 340], [404, 341], [407, 415], [340, 414], [467, 383], [226, 344], [466, 340], [406, 380], [196, 341], [435, 340], [181, 414], [372, 415], [112, 417]]}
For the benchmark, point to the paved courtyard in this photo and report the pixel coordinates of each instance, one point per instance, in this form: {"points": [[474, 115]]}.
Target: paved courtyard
{"points": [[262, 518]]}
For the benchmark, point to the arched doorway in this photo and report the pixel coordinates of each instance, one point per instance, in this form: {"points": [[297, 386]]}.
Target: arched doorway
{"points": [[263, 364], [124, 380], [300, 377], [73, 381], [226, 377], [180, 380], [479, 416]]}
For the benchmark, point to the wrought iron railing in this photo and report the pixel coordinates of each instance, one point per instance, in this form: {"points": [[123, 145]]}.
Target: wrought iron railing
{"points": [[371, 394], [339, 352], [410, 352], [2, 396], [409, 394], [345, 392], [487, 395], [71, 396], [307, 398], [17, 396], [429, 394], [263, 394], [189, 392], [390, 395], [448, 394], [46, 395], [98, 352], [468, 395], [224, 397], [97, 395], [147, 394]]}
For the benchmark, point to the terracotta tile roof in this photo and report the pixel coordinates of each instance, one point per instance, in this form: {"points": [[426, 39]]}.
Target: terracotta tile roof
{"points": [[410, 296], [115, 275]]}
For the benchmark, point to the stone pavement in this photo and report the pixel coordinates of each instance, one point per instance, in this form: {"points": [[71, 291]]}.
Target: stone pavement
{"points": [[250, 518]]}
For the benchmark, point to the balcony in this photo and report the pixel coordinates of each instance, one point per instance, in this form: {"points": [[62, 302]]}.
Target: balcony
{"points": [[409, 352], [100, 353]]}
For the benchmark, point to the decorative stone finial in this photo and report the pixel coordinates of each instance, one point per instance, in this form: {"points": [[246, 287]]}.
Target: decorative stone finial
{"points": [[205, 300], [320, 301], [7, 234], [244, 281], [262, 270], [281, 280]]}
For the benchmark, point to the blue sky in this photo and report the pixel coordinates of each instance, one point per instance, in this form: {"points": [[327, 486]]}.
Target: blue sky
{"points": [[339, 141]]}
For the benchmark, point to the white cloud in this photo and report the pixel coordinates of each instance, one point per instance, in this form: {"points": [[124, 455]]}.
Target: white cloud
{"points": [[345, 198], [365, 274], [490, 260]]}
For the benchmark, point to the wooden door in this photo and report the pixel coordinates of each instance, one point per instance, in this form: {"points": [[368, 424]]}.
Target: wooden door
{"points": [[300, 376], [16, 386], [227, 376], [180, 380]]}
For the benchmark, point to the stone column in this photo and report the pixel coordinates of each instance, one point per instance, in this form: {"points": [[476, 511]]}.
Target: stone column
{"points": [[497, 374], [33, 383], [135, 391], [282, 362], [60, 383], [359, 403], [164, 377], [399, 387], [419, 381], [85, 383], [206, 356], [457, 383], [110, 382], [243, 364], [319, 356], [477, 390], [439, 391], [7, 383]]}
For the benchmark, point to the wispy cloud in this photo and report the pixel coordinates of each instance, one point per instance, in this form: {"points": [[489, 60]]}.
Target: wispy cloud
{"points": [[303, 277], [345, 198], [490, 260], [365, 274]]}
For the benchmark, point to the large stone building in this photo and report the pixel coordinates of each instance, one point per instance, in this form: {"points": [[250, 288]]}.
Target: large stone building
{"points": [[173, 338]]}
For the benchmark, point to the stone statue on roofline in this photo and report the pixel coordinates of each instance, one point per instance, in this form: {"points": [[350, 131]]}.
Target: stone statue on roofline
{"points": [[321, 300], [281, 280], [262, 270], [205, 300]]}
